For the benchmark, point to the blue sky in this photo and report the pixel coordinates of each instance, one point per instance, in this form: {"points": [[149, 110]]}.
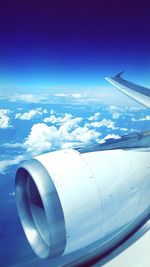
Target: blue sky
{"points": [[72, 44]]}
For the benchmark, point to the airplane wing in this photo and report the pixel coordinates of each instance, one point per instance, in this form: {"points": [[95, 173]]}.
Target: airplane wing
{"points": [[139, 93], [133, 253]]}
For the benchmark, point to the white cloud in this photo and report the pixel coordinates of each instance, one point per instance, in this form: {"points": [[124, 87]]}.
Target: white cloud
{"points": [[60, 94], [70, 95], [29, 98], [146, 118], [84, 134], [4, 118], [116, 115], [77, 95], [42, 138], [115, 111], [95, 117], [114, 136], [133, 119], [52, 111], [105, 122], [4, 164], [31, 114], [61, 119], [70, 124], [45, 138], [67, 133], [118, 111], [124, 129], [65, 118], [108, 136], [134, 109], [12, 145]]}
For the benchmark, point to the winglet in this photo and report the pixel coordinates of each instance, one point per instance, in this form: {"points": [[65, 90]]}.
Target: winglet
{"points": [[137, 92], [119, 74]]}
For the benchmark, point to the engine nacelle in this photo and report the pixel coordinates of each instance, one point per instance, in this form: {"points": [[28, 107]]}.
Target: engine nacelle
{"points": [[68, 200]]}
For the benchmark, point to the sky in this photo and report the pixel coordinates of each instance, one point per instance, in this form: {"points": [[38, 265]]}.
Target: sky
{"points": [[72, 44]]}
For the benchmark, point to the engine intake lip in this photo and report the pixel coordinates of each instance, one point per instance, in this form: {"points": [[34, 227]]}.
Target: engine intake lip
{"points": [[40, 210]]}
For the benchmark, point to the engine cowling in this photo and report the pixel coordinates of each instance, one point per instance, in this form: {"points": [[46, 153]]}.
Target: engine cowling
{"points": [[68, 200]]}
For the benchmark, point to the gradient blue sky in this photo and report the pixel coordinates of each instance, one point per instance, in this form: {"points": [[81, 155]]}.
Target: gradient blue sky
{"points": [[72, 44]]}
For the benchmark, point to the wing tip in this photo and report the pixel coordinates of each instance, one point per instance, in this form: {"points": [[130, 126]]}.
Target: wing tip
{"points": [[119, 74]]}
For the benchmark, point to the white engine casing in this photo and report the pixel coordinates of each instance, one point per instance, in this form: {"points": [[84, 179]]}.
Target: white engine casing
{"points": [[85, 197]]}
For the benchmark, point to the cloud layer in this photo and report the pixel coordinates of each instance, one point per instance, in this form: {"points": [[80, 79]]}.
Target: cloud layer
{"points": [[58, 130], [33, 113], [68, 134], [4, 164]]}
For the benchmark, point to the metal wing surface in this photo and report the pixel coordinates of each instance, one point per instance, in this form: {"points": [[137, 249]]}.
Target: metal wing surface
{"points": [[137, 92]]}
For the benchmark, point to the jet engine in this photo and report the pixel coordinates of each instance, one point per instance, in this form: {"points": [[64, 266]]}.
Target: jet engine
{"points": [[68, 200]]}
